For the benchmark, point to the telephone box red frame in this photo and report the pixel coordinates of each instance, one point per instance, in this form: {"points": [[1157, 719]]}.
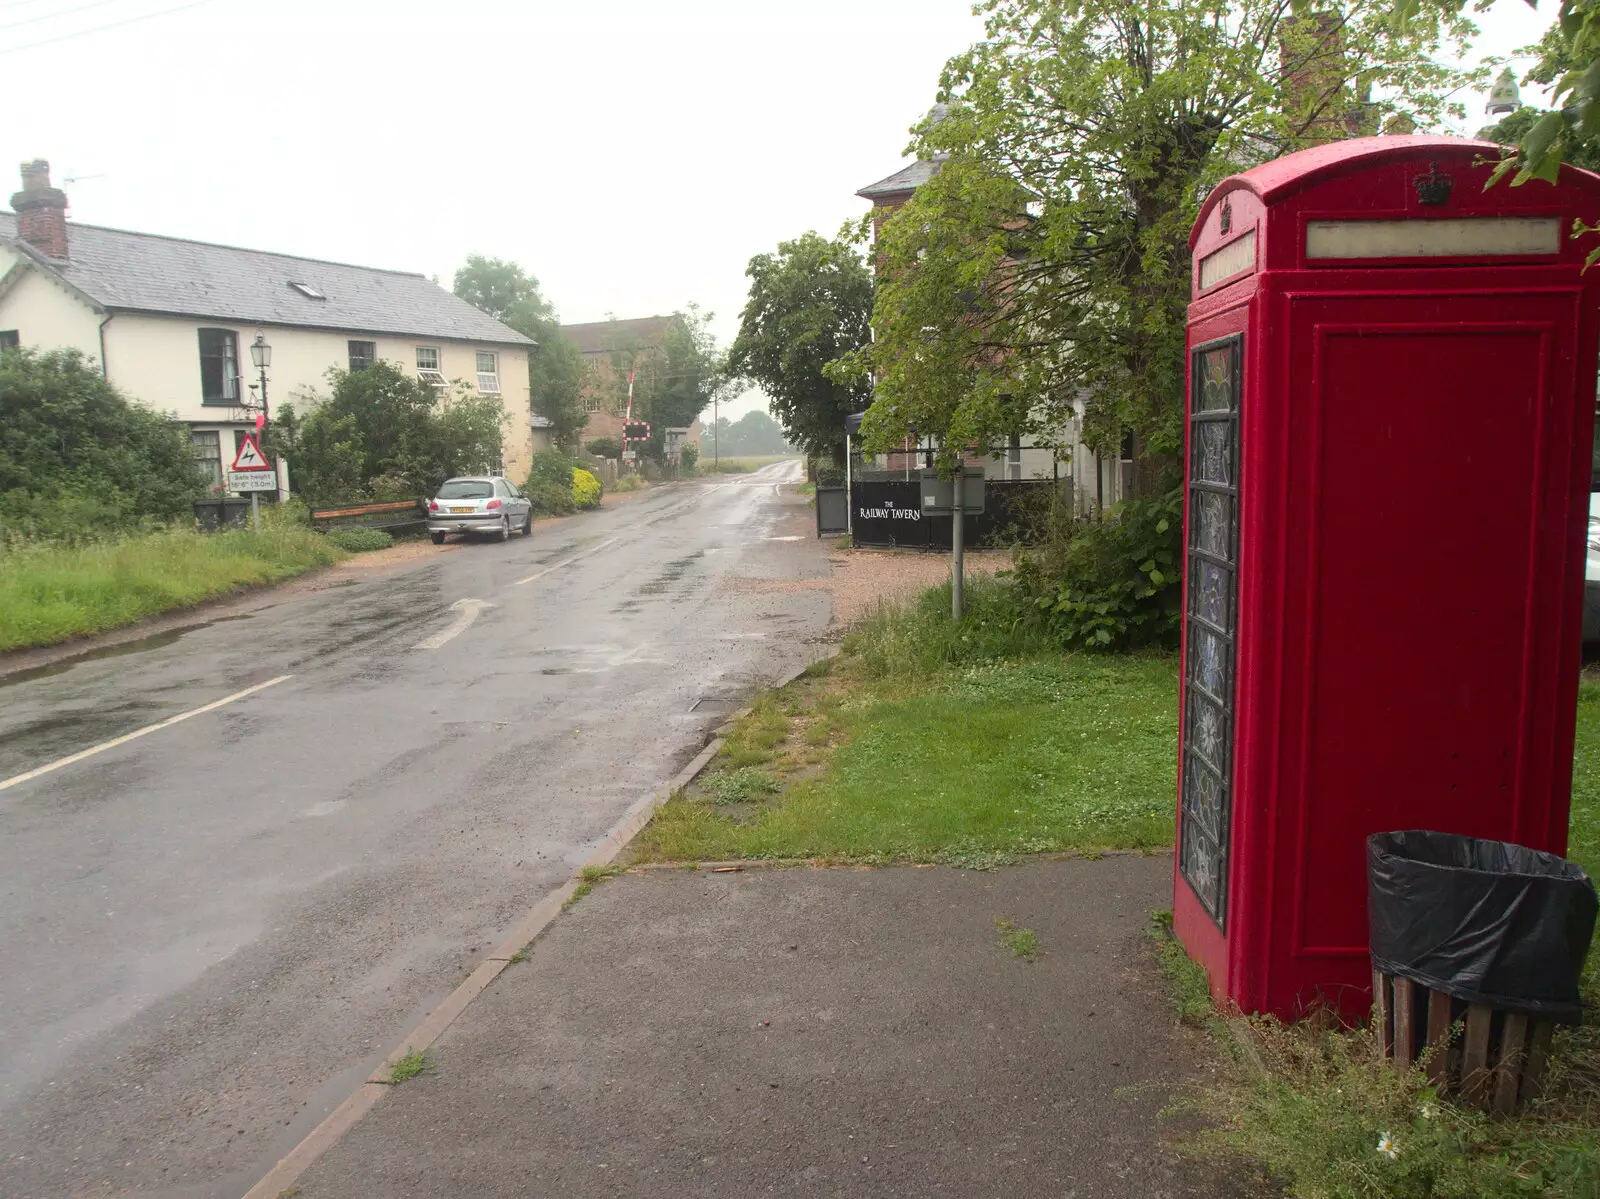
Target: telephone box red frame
{"points": [[1402, 475]]}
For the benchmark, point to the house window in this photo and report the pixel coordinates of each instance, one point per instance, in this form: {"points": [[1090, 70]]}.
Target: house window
{"points": [[428, 366], [488, 371], [362, 354], [309, 292], [219, 366], [10, 339], [591, 403], [208, 453], [1014, 457]]}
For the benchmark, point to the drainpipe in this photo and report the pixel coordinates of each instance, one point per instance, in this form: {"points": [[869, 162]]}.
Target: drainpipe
{"points": [[105, 369]]}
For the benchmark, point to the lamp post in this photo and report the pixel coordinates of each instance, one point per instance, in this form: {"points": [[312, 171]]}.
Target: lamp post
{"points": [[261, 356]]}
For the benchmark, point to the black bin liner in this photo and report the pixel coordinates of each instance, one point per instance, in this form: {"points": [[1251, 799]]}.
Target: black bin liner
{"points": [[1483, 921]]}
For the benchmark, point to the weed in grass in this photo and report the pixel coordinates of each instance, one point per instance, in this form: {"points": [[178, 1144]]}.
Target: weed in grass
{"points": [[587, 878], [819, 733], [740, 786], [412, 1065], [578, 892], [1188, 986], [521, 955], [1022, 942]]}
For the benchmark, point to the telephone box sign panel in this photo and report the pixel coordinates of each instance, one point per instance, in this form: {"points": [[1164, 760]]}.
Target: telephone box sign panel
{"points": [[1209, 621], [1472, 237]]}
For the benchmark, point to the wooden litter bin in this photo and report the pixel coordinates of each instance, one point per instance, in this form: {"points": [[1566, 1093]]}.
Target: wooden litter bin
{"points": [[1498, 1060]]}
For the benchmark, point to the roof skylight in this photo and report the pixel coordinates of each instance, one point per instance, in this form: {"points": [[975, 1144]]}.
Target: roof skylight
{"points": [[309, 292]]}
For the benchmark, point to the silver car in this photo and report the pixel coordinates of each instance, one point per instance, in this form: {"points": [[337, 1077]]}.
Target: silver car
{"points": [[487, 506]]}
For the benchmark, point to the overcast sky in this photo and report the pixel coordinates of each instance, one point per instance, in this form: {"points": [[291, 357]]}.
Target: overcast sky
{"points": [[632, 154]]}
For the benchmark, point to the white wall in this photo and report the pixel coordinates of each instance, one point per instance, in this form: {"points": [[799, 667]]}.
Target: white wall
{"points": [[45, 314], [156, 359]]}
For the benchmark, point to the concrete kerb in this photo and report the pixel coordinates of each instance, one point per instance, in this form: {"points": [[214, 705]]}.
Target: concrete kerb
{"points": [[325, 1135]]}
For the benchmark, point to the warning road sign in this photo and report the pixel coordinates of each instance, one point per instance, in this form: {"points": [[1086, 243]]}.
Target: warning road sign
{"points": [[250, 455]]}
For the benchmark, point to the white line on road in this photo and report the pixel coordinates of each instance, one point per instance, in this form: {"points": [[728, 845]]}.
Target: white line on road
{"points": [[466, 611], [567, 562], [149, 728]]}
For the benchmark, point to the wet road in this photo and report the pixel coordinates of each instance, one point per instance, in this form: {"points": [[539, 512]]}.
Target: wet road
{"points": [[212, 932]]}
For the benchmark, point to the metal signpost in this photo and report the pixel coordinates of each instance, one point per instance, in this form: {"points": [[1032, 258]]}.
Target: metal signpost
{"points": [[253, 473], [958, 496]]}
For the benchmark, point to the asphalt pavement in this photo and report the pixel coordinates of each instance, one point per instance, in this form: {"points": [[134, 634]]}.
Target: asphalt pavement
{"points": [[809, 1032], [212, 932]]}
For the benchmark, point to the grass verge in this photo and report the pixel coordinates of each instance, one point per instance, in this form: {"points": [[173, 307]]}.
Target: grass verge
{"points": [[51, 593], [918, 744], [1317, 1108]]}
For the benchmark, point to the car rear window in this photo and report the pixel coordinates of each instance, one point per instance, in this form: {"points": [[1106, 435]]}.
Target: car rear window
{"points": [[471, 489]]}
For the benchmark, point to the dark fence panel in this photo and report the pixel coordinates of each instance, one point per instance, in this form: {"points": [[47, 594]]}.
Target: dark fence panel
{"points": [[889, 513]]}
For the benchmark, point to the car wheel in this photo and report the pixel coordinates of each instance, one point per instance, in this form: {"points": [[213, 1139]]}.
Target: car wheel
{"points": [[438, 538], [505, 529], [527, 523]]}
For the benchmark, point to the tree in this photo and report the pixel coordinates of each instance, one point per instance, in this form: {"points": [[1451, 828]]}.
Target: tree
{"points": [[810, 303], [385, 434], [673, 379], [1043, 272], [1569, 58], [505, 291], [74, 449], [753, 433], [509, 294]]}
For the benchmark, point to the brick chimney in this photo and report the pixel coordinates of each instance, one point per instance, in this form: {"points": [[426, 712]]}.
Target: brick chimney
{"points": [[41, 210]]}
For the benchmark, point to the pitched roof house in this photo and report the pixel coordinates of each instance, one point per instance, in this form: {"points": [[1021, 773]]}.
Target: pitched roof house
{"points": [[170, 321]]}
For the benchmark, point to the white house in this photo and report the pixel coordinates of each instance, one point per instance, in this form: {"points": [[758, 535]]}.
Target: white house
{"points": [[171, 322]]}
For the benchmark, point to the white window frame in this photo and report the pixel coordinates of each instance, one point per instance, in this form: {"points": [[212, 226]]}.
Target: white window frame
{"points": [[430, 374], [215, 475], [488, 380], [591, 403]]}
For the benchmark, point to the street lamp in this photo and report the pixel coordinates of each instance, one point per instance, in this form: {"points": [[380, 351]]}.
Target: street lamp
{"points": [[261, 355]]}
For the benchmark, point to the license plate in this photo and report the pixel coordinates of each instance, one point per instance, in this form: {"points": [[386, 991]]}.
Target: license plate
{"points": [[463, 509]]}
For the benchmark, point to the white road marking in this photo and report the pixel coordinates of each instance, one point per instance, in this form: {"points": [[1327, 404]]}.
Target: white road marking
{"points": [[466, 611], [149, 728], [567, 562]]}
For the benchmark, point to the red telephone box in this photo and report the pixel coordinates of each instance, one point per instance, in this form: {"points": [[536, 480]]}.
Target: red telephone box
{"points": [[1391, 401]]}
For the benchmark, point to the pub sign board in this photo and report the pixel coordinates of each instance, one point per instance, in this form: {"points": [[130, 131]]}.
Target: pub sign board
{"points": [[939, 495]]}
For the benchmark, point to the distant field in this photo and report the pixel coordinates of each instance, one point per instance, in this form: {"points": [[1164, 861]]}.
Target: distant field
{"points": [[741, 465]]}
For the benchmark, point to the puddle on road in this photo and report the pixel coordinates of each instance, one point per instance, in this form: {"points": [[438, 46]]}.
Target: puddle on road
{"points": [[673, 571], [121, 649]]}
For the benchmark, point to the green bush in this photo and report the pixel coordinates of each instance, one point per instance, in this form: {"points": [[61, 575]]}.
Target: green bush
{"points": [[826, 474], [551, 499], [1115, 584], [629, 483], [549, 466], [586, 489], [687, 457], [79, 461], [360, 540], [604, 447], [920, 639]]}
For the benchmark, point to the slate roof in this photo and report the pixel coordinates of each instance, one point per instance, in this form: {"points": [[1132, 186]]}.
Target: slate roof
{"points": [[598, 336], [906, 179], [144, 272]]}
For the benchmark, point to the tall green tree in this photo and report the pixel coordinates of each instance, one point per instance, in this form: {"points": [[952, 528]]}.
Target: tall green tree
{"points": [[385, 434], [810, 303], [674, 376], [555, 369], [1569, 59], [1043, 272]]}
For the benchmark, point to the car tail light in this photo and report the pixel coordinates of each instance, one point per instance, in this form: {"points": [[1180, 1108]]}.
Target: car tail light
{"points": [[492, 504], [433, 505]]}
